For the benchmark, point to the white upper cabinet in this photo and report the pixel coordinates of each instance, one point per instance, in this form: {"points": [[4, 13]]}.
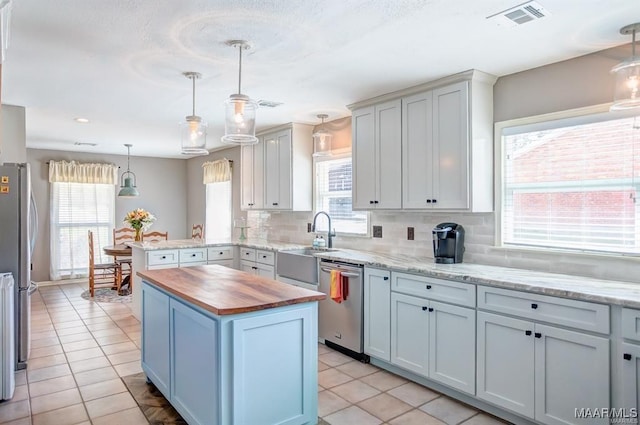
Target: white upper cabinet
{"points": [[376, 145], [445, 158], [277, 172]]}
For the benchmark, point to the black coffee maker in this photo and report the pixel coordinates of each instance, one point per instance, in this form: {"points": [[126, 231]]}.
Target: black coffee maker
{"points": [[448, 243]]}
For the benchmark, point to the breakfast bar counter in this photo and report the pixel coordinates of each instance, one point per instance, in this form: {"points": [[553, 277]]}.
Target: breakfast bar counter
{"points": [[228, 347]]}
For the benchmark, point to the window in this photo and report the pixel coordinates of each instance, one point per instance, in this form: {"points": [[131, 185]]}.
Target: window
{"points": [[572, 184], [77, 208], [333, 196], [218, 210]]}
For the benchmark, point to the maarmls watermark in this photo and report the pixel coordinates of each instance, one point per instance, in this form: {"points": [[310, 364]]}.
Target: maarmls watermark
{"points": [[615, 415]]}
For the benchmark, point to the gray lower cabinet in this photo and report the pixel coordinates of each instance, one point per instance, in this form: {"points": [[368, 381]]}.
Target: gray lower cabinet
{"points": [[434, 339], [155, 339], [377, 313], [630, 370], [540, 371]]}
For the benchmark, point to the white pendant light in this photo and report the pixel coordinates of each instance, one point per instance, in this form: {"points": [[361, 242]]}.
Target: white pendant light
{"points": [[128, 181], [193, 131], [627, 91], [322, 139], [240, 110]]}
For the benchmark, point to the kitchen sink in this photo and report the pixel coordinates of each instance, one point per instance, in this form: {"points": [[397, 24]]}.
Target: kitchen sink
{"points": [[299, 264]]}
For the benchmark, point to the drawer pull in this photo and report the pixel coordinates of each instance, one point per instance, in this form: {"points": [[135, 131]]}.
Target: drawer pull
{"points": [[247, 253], [275, 204], [428, 286], [164, 257], [371, 202], [527, 333], [264, 256], [425, 308], [428, 201], [626, 356], [193, 255], [538, 335], [534, 306], [385, 278], [430, 308], [220, 253], [254, 267]]}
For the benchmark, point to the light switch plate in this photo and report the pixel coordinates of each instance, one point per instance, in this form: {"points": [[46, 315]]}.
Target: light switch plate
{"points": [[377, 231]]}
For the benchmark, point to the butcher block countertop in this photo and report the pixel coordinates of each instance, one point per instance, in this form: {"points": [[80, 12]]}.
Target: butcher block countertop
{"points": [[223, 291]]}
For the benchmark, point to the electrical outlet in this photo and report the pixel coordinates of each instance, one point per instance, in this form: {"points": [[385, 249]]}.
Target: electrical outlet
{"points": [[410, 233], [308, 227], [377, 231]]}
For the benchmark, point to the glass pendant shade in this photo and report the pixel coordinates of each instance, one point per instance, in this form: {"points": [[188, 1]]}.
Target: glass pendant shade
{"points": [[128, 180], [193, 131], [322, 140], [240, 110], [240, 120], [627, 89]]}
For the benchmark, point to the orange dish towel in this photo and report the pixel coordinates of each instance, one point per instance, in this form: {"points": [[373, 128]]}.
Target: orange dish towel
{"points": [[335, 288]]}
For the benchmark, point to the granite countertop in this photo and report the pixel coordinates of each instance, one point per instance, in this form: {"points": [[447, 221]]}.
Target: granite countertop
{"points": [[559, 285], [225, 291]]}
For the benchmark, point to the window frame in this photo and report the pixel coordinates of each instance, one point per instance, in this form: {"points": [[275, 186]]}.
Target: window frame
{"points": [[578, 116], [338, 154]]}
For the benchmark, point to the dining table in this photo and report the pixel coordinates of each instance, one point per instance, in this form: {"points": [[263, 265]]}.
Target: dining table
{"points": [[118, 250]]}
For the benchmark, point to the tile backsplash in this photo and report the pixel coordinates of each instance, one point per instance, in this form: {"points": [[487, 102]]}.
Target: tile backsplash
{"points": [[291, 227]]}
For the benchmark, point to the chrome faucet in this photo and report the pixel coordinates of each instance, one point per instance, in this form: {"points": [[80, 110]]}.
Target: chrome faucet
{"points": [[330, 233]]}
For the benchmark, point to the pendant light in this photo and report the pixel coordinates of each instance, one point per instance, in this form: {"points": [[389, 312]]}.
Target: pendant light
{"points": [[240, 110], [627, 91], [193, 131], [322, 139], [128, 180]]}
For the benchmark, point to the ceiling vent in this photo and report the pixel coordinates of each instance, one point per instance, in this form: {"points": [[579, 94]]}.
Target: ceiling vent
{"points": [[268, 104], [521, 14]]}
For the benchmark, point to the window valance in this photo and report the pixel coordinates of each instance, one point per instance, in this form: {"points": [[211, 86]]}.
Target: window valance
{"points": [[216, 171], [76, 172]]}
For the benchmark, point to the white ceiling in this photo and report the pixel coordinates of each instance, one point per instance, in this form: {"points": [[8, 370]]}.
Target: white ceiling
{"points": [[119, 62]]}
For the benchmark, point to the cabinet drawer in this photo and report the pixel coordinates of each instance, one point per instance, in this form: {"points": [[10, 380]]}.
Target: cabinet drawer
{"points": [[193, 255], [226, 263], [266, 257], [248, 254], [162, 257], [220, 253], [434, 289], [573, 313], [631, 323]]}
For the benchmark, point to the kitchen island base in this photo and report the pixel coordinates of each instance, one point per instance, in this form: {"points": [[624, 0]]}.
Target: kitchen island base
{"points": [[258, 367]]}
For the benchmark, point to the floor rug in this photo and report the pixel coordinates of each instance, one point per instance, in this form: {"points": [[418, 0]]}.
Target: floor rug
{"points": [[155, 407], [106, 295]]}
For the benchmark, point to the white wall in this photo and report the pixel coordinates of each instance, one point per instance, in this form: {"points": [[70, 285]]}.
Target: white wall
{"points": [[161, 183], [13, 145]]}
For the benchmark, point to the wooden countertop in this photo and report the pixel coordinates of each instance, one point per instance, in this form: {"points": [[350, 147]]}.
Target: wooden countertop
{"points": [[224, 291]]}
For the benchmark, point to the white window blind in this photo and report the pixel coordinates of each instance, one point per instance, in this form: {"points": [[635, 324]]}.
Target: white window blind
{"points": [[218, 211], [572, 184], [77, 208], [333, 196]]}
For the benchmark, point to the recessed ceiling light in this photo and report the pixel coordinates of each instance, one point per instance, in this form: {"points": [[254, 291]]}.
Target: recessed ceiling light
{"points": [[81, 120]]}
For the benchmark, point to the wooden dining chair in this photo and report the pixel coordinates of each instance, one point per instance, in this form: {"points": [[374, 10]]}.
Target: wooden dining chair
{"points": [[120, 236], [197, 231], [155, 236], [103, 273]]}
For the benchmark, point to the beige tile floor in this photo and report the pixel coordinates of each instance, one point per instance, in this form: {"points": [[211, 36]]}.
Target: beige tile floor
{"points": [[80, 349]]}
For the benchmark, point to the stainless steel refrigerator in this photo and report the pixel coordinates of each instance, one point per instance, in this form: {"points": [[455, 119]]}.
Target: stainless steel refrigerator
{"points": [[18, 233]]}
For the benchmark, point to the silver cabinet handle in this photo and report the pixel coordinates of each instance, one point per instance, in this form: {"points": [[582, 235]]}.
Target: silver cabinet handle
{"points": [[350, 274]]}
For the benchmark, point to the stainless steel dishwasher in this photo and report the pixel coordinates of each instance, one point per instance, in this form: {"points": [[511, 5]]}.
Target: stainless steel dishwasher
{"points": [[340, 325]]}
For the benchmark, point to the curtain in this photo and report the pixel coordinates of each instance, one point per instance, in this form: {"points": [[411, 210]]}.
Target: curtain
{"points": [[76, 172], [216, 171]]}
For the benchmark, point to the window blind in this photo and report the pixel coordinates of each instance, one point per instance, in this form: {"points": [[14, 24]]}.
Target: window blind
{"points": [[573, 186]]}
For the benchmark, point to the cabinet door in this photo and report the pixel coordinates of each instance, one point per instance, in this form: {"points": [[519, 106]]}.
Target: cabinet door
{"points": [[377, 313], [505, 362], [417, 151], [452, 348], [410, 333], [630, 376], [265, 270], [451, 146], [194, 373], [364, 158], [277, 173], [252, 176], [248, 266], [155, 337], [389, 154], [572, 371]]}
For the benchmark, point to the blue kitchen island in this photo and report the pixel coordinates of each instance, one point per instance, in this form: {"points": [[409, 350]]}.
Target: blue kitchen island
{"points": [[228, 347]]}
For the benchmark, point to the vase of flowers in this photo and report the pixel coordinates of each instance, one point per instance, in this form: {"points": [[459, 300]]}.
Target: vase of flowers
{"points": [[139, 220]]}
